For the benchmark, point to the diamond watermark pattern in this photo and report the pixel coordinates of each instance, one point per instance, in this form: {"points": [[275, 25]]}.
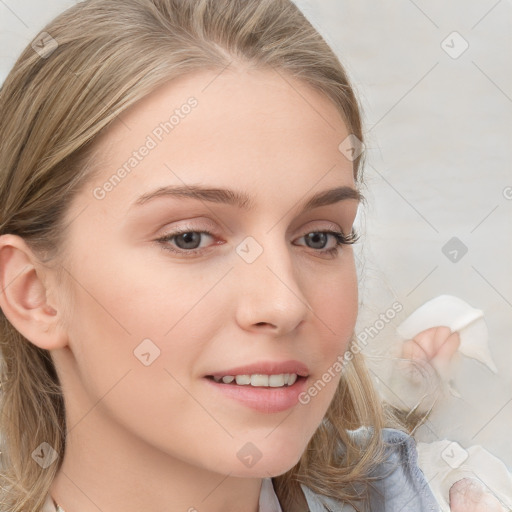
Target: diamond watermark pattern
{"points": [[45, 455], [454, 249], [44, 44], [454, 455], [146, 352], [351, 147], [249, 454], [249, 249], [454, 45]]}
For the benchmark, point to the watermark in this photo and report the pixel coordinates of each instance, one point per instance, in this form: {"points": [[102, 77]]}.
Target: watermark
{"points": [[249, 454], [44, 45], [454, 45], [507, 192], [45, 455], [351, 147], [151, 142], [146, 352], [455, 249], [380, 323], [454, 455], [355, 347], [249, 249]]}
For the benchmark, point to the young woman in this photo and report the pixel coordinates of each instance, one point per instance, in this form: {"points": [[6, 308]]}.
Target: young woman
{"points": [[178, 185]]}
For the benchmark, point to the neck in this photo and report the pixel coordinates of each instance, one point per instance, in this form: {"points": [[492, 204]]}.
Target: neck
{"points": [[107, 468]]}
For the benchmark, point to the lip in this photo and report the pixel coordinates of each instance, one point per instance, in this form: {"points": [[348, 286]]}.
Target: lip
{"points": [[263, 399], [266, 368]]}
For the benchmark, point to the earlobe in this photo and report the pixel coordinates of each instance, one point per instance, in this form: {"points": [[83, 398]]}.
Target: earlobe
{"points": [[23, 295]]}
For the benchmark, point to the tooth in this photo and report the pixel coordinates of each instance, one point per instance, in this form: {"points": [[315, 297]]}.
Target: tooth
{"points": [[276, 381], [216, 379], [286, 378], [228, 379], [243, 379], [259, 380], [292, 379]]}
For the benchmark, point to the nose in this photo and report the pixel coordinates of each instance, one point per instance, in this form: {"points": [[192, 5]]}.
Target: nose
{"points": [[269, 294]]}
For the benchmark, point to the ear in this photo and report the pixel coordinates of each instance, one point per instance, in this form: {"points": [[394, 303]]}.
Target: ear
{"points": [[23, 295]]}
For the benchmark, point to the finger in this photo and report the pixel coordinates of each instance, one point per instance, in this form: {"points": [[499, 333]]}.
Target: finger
{"points": [[469, 495], [425, 339], [447, 350], [442, 333], [411, 350]]}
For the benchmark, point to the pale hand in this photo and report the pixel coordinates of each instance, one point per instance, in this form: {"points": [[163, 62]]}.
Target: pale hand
{"points": [[436, 346], [469, 495]]}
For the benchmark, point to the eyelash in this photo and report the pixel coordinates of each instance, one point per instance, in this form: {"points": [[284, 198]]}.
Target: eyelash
{"points": [[341, 239]]}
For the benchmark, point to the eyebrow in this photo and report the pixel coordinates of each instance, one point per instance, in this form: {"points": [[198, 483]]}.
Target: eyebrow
{"points": [[242, 200]]}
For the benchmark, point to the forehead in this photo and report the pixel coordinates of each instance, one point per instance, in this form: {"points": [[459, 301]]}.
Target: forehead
{"points": [[249, 129]]}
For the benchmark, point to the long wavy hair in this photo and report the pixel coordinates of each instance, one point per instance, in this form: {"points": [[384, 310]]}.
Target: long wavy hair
{"points": [[101, 57]]}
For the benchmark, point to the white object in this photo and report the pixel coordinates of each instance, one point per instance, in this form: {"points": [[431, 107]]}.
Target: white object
{"points": [[445, 462], [446, 310]]}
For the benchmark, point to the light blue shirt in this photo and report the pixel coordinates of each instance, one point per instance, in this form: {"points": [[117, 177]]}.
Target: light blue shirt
{"points": [[400, 487]]}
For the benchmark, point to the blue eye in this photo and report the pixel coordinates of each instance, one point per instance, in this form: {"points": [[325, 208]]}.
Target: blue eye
{"points": [[322, 236], [188, 241]]}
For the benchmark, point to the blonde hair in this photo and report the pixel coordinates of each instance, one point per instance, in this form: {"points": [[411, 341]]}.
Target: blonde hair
{"points": [[107, 55]]}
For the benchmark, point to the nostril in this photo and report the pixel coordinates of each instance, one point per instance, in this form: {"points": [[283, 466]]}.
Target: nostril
{"points": [[265, 323]]}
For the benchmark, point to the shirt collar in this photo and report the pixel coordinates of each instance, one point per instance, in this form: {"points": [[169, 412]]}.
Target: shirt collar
{"points": [[268, 497]]}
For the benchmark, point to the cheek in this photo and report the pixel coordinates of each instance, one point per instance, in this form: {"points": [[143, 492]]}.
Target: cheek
{"points": [[138, 294], [334, 299], [151, 401], [130, 318]]}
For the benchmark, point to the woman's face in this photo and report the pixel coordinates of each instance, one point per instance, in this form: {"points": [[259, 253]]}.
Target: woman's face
{"points": [[153, 321]]}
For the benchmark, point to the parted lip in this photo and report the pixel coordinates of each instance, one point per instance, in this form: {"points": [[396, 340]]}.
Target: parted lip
{"points": [[265, 368]]}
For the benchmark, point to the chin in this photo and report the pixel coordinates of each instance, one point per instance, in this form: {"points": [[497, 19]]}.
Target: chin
{"points": [[261, 470], [273, 464]]}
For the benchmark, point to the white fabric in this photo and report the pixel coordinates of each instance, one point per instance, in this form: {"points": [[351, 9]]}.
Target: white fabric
{"points": [[268, 497], [445, 462], [459, 316], [49, 506]]}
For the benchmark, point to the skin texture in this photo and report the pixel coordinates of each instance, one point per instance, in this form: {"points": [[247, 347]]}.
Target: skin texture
{"points": [[144, 437], [470, 495], [436, 346]]}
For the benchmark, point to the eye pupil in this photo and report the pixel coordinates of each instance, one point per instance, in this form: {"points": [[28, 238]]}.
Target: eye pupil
{"points": [[191, 238], [315, 237]]}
